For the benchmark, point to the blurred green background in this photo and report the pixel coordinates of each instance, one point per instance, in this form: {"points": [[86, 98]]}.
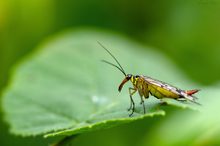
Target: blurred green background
{"points": [[186, 31]]}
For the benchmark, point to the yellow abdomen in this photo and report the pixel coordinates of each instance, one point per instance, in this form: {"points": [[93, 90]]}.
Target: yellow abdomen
{"points": [[160, 92]]}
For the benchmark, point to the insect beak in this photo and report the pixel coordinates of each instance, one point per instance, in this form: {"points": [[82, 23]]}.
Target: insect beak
{"points": [[122, 84]]}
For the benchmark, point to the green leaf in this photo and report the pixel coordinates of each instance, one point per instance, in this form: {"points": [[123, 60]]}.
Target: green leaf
{"points": [[64, 89]]}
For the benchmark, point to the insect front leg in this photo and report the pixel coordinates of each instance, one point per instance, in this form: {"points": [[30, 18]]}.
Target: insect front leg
{"points": [[132, 105]]}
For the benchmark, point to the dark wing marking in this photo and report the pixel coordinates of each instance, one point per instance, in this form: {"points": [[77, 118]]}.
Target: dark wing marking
{"points": [[163, 85], [170, 88]]}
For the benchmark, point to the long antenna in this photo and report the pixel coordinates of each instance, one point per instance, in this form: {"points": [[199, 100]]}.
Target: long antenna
{"points": [[120, 67], [114, 66]]}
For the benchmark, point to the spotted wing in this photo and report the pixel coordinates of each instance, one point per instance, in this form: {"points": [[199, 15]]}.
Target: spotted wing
{"points": [[161, 89]]}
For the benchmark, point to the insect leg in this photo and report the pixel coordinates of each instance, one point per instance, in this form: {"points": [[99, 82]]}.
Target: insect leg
{"points": [[131, 93], [141, 93], [132, 106], [144, 93], [142, 102]]}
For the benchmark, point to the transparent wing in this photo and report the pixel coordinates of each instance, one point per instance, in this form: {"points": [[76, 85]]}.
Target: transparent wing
{"points": [[163, 85]]}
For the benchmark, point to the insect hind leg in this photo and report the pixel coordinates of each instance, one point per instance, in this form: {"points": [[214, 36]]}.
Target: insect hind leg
{"points": [[132, 105], [142, 102], [143, 96]]}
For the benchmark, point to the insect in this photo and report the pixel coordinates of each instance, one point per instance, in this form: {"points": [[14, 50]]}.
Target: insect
{"points": [[146, 85]]}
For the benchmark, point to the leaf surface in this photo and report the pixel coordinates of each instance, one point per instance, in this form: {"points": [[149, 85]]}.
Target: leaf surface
{"points": [[64, 89]]}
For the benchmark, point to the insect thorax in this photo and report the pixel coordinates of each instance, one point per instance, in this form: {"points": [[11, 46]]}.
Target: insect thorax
{"points": [[134, 79]]}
